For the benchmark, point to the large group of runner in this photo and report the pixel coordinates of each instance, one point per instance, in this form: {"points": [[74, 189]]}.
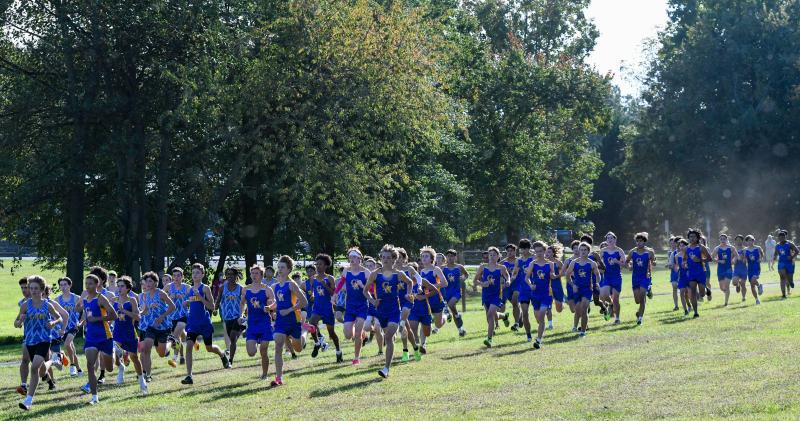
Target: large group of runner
{"points": [[372, 300]]}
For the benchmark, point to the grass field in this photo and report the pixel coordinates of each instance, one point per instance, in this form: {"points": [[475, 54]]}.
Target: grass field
{"points": [[737, 362]]}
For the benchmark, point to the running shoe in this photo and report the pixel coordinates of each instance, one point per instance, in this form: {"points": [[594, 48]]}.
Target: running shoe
{"points": [[488, 342], [187, 380]]}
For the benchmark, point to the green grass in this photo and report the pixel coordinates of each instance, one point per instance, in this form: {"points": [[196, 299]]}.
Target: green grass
{"points": [[737, 362]]}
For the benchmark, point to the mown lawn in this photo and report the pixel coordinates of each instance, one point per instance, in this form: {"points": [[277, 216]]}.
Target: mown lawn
{"points": [[736, 362]]}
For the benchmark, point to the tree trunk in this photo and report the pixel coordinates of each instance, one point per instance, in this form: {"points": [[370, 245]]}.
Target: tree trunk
{"points": [[512, 234], [238, 169], [160, 241], [224, 250]]}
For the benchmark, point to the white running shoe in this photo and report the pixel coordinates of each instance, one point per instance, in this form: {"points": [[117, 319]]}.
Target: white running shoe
{"points": [[73, 371], [142, 385], [120, 374]]}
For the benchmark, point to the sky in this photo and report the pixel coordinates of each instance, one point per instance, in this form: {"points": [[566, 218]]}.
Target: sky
{"points": [[624, 25]]}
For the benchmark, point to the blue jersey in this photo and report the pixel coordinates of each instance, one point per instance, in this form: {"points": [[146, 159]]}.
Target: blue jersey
{"points": [[784, 252], [123, 327], [285, 298], [198, 317], [256, 302], [582, 275], [540, 278], [354, 285], [753, 260], [522, 267], [229, 302], [55, 331], [69, 306], [435, 300], [178, 295], [694, 258], [613, 271], [641, 265], [495, 287], [510, 267], [453, 280], [96, 331], [152, 307], [36, 320], [724, 259], [387, 292], [322, 297], [309, 294]]}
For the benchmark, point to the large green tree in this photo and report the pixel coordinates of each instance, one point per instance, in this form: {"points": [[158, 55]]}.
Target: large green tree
{"points": [[719, 126]]}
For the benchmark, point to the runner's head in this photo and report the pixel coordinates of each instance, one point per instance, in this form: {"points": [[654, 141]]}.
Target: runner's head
{"points": [[101, 274], [439, 259], [177, 273], [65, 285], [539, 248], [91, 283], [749, 240], [198, 272], [723, 239], [554, 251], [451, 256], [166, 279], [124, 285], [149, 281], [493, 253], [322, 262], [23, 286], [525, 245], [354, 256], [427, 255], [611, 239], [693, 235], [257, 273], [388, 255], [511, 250], [782, 234], [584, 249], [641, 239], [285, 265]]}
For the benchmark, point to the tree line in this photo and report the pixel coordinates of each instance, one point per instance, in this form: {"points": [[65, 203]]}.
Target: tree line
{"points": [[129, 130]]}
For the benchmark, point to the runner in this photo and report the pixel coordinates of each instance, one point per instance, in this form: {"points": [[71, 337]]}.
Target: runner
{"points": [[785, 254], [492, 278], [455, 273]]}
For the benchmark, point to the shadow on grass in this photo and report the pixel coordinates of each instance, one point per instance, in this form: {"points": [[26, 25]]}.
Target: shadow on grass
{"points": [[321, 393], [676, 319], [49, 410]]}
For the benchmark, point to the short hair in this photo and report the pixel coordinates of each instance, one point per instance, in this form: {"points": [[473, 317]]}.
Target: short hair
{"points": [[485, 253], [739, 237], [603, 245], [493, 249], [585, 244], [177, 269], [23, 280], [525, 243], [539, 244], [355, 249], [168, 276], [127, 281], [288, 261], [37, 279], [414, 265], [310, 267], [749, 238], [642, 235], [402, 252], [694, 231], [574, 243], [388, 248], [324, 258], [266, 268], [683, 241], [783, 233], [151, 275], [672, 239], [199, 266], [100, 273], [296, 276], [723, 235], [91, 277], [112, 273], [258, 268], [369, 259], [510, 246], [451, 252], [429, 250], [611, 234], [586, 238], [65, 279]]}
